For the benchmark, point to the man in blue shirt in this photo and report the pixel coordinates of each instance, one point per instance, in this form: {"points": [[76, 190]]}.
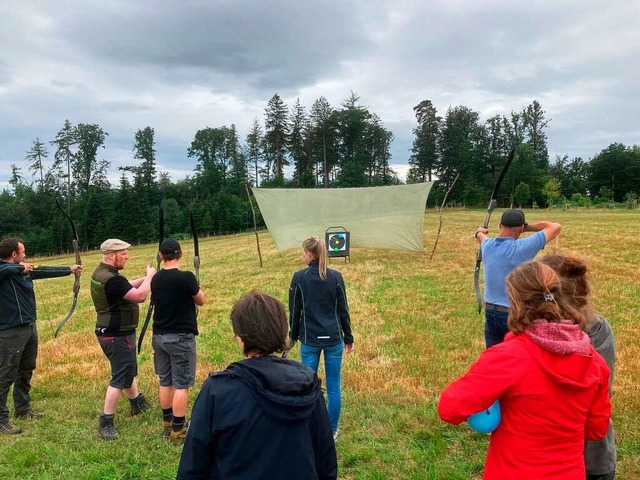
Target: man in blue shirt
{"points": [[502, 254]]}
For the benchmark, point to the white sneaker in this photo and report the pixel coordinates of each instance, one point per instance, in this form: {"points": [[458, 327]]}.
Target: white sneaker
{"points": [[335, 435]]}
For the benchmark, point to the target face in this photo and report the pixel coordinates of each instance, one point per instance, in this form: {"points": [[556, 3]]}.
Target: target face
{"points": [[337, 244]]}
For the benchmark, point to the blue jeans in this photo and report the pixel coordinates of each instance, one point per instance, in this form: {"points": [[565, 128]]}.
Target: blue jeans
{"points": [[495, 327], [310, 356]]}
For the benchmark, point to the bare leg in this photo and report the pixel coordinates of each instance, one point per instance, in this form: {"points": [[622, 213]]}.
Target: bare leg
{"points": [[111, 400], [180, 398], [165, 396], [132, 392]]}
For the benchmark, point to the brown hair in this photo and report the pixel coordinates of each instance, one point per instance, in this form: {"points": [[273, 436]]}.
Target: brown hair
{"points": [[316, 247], [8, 246], [535, 292], [573, 274], [261, 323]]}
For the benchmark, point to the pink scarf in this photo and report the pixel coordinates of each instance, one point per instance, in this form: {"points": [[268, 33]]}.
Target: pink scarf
{"points": [[562, 338]]}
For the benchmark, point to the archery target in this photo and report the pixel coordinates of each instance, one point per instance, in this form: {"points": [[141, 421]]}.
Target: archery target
{"points": [[337, 244]]}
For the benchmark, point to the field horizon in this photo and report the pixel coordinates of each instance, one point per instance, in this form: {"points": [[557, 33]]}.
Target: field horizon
{"points": [[416, 329]]}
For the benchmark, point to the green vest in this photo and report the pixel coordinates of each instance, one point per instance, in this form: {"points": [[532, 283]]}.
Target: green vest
{"points": [[116, 316]]}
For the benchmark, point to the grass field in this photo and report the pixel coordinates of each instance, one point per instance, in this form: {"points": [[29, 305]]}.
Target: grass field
{"points": [[416, 328]]}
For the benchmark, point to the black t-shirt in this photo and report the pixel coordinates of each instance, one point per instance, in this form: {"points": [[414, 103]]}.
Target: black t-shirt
{"points": [[172, 291]]}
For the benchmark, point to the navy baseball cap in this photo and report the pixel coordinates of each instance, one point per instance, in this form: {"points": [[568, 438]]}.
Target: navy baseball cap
{"points": [[512, 218], [170, 246]]}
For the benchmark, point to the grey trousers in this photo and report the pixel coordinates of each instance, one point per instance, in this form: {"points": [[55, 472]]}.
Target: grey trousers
{"points": [[18, 353]]}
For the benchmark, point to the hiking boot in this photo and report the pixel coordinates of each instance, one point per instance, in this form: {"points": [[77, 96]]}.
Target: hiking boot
{"points": [[8, 429], [30, 414], [106, 428], [178, 436], [139, 405], [166, 430]]}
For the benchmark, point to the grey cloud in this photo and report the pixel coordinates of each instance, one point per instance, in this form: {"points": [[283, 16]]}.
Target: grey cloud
{"points": [[179, 66], [279, 43]]}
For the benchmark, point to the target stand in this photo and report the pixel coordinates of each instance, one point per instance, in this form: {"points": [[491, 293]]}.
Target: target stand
{"points": [[338, 242]]}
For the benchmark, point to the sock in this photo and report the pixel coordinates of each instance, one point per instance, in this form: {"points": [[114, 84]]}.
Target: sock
{"points": [[135, 400], [110, 416], [177, 424], [167, 414]]}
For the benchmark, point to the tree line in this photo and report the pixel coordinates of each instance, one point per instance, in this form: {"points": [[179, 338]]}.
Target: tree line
{"points": [[326, 147], [461, 144]]}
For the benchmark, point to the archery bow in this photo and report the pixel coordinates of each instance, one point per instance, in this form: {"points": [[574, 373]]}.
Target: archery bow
{"points": [[492, 205], [151, 303], [76, 283], [196, 248]]}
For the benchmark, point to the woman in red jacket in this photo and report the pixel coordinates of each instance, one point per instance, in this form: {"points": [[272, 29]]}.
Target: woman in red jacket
{"points": [[552, 385]]}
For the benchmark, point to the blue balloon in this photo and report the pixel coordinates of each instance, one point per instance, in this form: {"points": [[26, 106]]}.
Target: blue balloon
{"points": [[487, 420]]}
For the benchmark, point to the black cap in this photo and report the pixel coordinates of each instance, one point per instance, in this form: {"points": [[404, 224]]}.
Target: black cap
{"points": [[512, 218], [170, 246]]}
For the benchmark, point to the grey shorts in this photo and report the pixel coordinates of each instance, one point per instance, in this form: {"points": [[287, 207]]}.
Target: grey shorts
{"points": [[174, 359], [121, 352]]}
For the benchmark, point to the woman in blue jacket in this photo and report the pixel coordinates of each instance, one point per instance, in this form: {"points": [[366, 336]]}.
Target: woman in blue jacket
{"points": [[319, 318]]}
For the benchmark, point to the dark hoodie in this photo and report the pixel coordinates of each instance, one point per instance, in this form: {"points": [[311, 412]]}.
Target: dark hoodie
{"points": [[261, 418]]}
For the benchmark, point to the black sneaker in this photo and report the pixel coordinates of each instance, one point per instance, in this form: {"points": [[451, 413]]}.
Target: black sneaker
{"points": [[139, 405], [7, 428], [106, 428], [30, 414]]}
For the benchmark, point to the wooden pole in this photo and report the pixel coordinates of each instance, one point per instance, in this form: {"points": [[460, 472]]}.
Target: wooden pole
{"points": [[255, 227]]}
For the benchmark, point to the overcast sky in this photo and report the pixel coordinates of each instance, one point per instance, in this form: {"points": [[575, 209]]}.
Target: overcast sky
{"points": [[179, 66]]}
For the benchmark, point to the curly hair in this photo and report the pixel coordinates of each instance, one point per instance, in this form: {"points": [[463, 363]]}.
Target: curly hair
{"points": [[573, 276]]}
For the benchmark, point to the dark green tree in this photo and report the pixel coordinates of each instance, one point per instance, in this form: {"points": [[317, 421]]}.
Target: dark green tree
{"points": [[276, 128], [145, 150], [378, 149], [352, 126], [298, 146], [87, 169], [65, 156], [323, 139], [35, 158], [535, 123], [459, 137], [522, 194], [254, 150], [424, 152], [617, 167]]}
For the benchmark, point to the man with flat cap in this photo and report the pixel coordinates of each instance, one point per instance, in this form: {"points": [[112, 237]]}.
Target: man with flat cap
{"points": [[176, 294], [502, 254], [116, 301]]}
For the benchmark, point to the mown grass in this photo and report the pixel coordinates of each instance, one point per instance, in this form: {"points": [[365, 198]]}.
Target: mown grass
{"points": [[415, 326]]}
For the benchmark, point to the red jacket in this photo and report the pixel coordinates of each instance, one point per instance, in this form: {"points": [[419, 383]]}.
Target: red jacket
{"points": [[550, 405]]}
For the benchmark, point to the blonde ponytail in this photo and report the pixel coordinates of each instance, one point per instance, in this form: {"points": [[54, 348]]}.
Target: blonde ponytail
{"points": [[316, 247]]}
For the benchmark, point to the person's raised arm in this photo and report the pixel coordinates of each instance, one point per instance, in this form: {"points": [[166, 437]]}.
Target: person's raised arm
{"points": [[139, 293], [481, 234], [551, 229]]}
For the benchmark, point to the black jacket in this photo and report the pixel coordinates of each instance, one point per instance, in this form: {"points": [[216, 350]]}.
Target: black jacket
{"points": [[17, 299], [261, 418], [318, 310]]}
